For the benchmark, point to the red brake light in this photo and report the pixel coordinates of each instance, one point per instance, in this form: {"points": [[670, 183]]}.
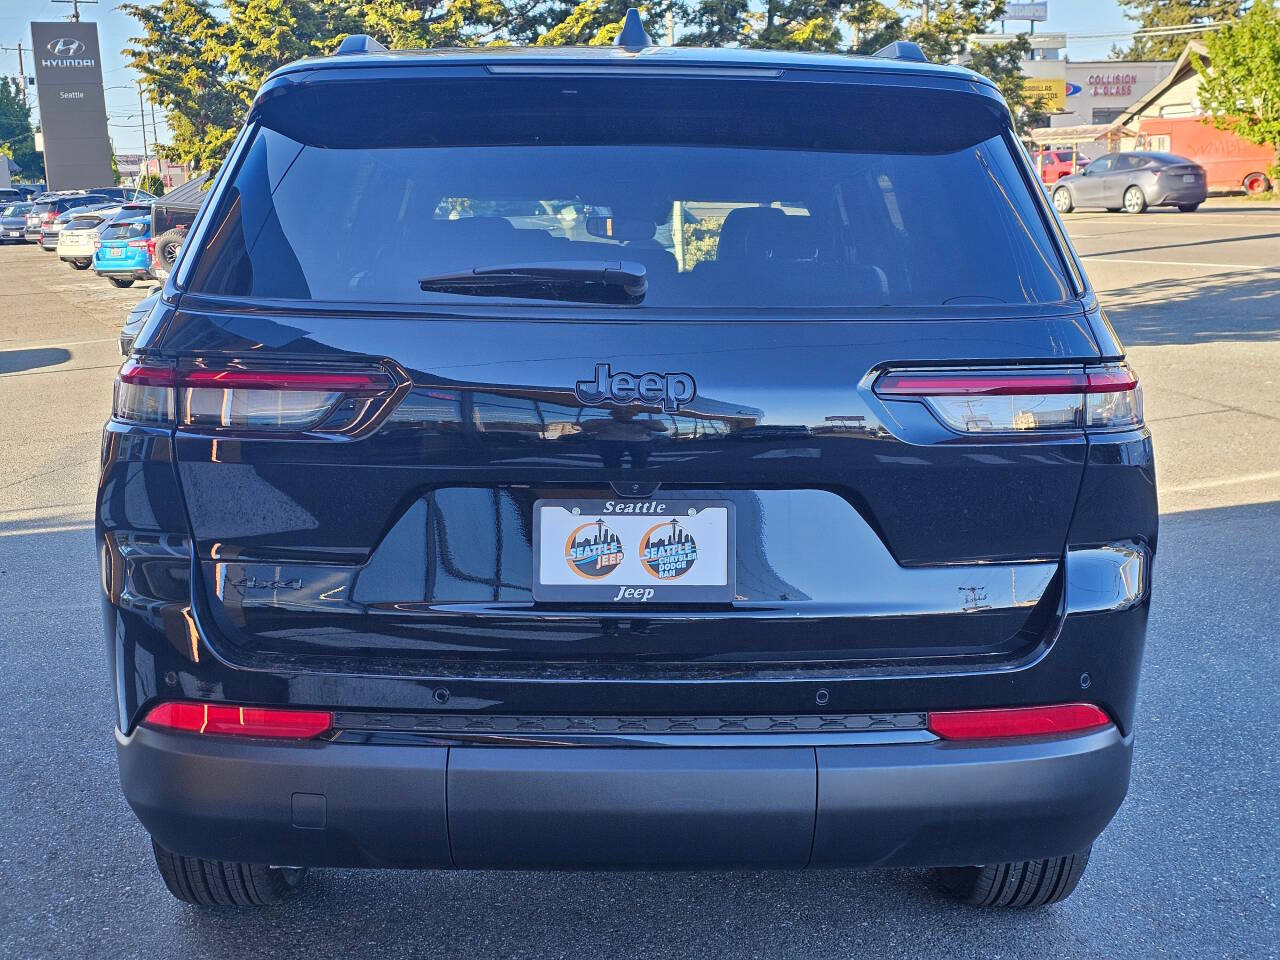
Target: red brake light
{"points": [[1017, 721], [324, 382], [970, 383], [228, 720], [146, 376]]}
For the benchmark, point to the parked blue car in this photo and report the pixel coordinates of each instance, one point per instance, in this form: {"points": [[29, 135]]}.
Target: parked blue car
{"points": [[123, 253]]}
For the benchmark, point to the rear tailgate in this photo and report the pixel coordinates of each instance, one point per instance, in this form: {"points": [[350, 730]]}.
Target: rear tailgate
{"points": [[864, 529], [787, 265]]}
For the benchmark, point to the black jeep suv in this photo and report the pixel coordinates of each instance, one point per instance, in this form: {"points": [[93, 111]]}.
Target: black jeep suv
{"points": [[626, 457]]}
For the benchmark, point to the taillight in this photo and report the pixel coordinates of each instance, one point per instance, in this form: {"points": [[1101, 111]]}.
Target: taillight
{"points": [[144, 394], [228, 720], [1001, 723], [251, 398], [1014, 400], [138, 244], [151, 247]]}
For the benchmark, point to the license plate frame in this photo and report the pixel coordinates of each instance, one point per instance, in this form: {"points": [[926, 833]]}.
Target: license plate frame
{"points": [[691, 557]]}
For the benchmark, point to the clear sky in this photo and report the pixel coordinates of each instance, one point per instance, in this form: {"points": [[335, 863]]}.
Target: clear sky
{"points": [[115, 28]]}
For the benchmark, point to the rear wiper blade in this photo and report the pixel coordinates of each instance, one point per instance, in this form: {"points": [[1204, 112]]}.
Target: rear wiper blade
{"points": [[587, 281]]}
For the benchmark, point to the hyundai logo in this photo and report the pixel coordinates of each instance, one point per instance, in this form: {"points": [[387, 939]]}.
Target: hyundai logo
{"points": [[66, 47]]}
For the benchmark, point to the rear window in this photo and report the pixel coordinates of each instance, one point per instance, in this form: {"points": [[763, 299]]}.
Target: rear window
{"points": [[126, 231], [728, 199]]}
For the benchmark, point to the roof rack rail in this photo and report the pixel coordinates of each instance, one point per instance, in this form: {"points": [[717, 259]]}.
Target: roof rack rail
{"points": [[902, 50], [358, 43]]}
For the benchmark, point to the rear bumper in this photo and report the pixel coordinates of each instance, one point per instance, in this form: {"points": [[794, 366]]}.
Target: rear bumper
{"points": [[1180, 193], [132, 273], [432, 805]]}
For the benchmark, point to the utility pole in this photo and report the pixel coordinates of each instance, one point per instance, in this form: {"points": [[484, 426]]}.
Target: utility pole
{"points": [[155, 143], [142, 117], [75, 8], [22, 68]]}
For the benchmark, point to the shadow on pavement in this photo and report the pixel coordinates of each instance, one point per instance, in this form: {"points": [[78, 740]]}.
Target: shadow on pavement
{"points": [[1231, 305], [15, 361], [1192, 243]]}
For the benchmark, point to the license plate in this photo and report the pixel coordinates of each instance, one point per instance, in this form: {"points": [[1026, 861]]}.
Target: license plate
{"points": [[115, 251], [633, 551], [1188, 178], [13, 233]]}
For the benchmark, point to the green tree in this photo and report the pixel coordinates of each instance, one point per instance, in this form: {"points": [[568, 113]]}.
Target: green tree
{"points": [[1154, 14], [153, 183], [944, 33], [1002, 63], [182, 56], [715, 23], [1240, 85], [17, 138], [871, 25]]}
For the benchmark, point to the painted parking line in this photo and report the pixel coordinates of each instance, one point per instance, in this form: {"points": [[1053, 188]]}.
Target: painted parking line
{"points": [[1103, 258], [1223, 482], [51, 346]]}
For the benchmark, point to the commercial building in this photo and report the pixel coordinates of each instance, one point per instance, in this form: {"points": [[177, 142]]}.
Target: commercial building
{"points": [[1081, 92]]}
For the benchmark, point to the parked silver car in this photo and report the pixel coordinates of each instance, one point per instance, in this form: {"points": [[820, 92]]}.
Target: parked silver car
{"points": [[13, 222], [1132, 182]]}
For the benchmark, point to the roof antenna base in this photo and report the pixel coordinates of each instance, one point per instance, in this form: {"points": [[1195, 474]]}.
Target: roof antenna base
{"points": [[633, 35], [902, 50]]}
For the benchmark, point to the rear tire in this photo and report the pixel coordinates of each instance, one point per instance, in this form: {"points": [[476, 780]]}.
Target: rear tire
{"points": [[80, 264], [1256, 183], [1062, 200], [222, 883], [1025, 885], [1188, 207], [167, 246], [1135, 201], [121, 281]]}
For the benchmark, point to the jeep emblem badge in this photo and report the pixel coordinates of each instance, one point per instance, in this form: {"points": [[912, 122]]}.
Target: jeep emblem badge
{"points": [[670, 390]]}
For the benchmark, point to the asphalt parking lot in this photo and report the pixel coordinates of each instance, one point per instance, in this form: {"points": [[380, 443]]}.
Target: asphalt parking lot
{"points": [[1189, 867]]}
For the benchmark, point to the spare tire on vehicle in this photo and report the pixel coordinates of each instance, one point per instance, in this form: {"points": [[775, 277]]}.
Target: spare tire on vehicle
{"points": [[167, 246]]}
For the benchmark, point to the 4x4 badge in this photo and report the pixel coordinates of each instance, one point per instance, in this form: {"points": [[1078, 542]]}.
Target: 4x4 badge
{"points": [[671, 390]]}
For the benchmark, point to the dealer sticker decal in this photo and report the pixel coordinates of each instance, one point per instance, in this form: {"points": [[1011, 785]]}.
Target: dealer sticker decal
{"points": [[593, 550], [667, 551]]}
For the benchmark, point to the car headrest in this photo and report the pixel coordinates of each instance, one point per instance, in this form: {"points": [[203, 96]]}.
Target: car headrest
{"points": [[744, 229]]}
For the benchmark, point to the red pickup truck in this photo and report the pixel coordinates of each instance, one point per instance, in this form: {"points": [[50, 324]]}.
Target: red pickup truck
{"points": [[1056, 164]]}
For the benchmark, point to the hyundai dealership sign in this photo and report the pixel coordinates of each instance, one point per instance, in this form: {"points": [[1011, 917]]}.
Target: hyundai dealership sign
{"points": [[73, 108]]}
